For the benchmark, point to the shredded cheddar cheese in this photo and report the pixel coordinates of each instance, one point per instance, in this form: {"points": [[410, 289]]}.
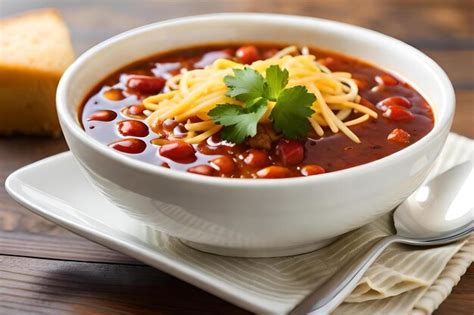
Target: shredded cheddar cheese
{"points": [[196, 92]]}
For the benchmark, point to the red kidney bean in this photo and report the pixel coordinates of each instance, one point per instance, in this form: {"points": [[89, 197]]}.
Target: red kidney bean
{"points": [[178, 151], [102, 115], [312, 169], [247, 54], [204, 148], [224, 164], [290, 152], [202, 170], [146, 84], [256, 158], [131, 145], [396, 112], [114, 95], [273, 172], [385, 79], [135, 109], [169, 125], [399, 136], [133, 128], [394, 100]]}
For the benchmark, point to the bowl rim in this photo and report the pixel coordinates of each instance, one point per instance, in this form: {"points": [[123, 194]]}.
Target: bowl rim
{"points": [[447, 99]]}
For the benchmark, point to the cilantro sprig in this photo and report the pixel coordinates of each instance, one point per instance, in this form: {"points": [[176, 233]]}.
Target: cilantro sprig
{"points": [[289, 115]]}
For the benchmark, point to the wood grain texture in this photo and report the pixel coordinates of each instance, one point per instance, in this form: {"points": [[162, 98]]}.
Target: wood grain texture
{"points": [[44, 286], [65, 247], [461, 300], [423, 23], [45, 269]]}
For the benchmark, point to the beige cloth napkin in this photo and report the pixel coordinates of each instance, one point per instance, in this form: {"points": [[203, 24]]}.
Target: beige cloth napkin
{"points": [[404, 280]]}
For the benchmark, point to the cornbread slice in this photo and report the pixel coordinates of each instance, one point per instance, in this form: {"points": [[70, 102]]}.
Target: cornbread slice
{"points": [[35, 49]]}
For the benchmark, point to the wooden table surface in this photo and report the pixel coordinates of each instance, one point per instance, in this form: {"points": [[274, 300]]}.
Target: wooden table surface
{"points": [[45, 269]]}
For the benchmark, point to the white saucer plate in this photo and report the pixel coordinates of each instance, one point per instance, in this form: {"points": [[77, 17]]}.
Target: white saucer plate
{"points": [[55, 189]]}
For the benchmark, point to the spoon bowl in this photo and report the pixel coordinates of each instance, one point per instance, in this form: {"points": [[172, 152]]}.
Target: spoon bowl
{"points": [[439, 212], [442, 205]]}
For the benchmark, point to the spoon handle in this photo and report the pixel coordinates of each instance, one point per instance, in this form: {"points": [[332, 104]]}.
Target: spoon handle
{"points": [[331, 293]]}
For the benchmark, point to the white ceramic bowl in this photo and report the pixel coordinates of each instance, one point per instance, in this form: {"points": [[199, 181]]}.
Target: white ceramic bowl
{"points": [[248, 217]]}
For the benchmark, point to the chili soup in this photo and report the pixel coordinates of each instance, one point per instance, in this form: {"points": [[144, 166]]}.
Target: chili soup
{"points": [[255, 111]]}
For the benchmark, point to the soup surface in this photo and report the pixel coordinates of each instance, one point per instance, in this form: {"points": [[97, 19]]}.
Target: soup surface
{"points": [[115, 114]]}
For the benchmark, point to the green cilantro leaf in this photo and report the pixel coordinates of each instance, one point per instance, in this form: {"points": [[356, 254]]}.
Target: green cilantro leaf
{"points": [[239, 122], [256, 101], [291, 112], [245, 85], [276, 79], [226, 114], [289, 115]]}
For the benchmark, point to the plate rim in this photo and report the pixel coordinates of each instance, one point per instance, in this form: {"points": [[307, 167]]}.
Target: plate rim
{"points": [[138, 250]]}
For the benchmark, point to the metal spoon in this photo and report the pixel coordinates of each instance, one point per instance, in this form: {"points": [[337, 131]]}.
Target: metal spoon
{"points": [[439, 212]]}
